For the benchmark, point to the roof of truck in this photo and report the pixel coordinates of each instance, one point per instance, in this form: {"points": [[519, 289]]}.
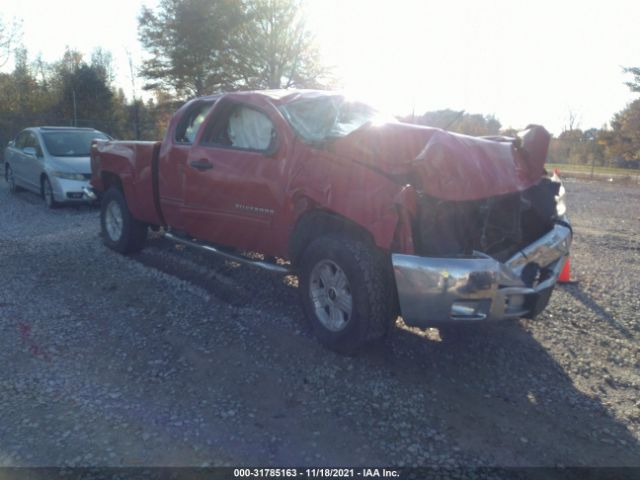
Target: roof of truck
{"points": [[278, 97]]}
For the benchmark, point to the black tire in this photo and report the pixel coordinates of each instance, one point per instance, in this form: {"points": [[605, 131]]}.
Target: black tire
{"points": [[9, 177], [126, 236], [47, 194], [370, 290]]}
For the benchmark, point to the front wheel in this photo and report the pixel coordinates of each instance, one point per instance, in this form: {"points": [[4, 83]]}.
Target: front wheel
{"points": [[120, 231], [346, 292], [47, 193]]}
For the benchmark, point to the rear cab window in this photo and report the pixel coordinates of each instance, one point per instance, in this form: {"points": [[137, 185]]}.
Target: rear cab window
{"points": [[188, 127]]}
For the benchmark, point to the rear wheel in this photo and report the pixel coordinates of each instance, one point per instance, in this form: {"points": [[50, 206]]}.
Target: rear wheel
{"points": [[345, 292], [120, 231], [11, 179], [47, 194]]}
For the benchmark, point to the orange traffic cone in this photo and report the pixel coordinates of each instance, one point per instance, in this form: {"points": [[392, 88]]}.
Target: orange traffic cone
{"points": [[565, 274]]}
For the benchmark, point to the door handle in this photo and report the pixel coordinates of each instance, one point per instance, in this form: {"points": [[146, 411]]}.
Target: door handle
{"points": [[202, 164]]}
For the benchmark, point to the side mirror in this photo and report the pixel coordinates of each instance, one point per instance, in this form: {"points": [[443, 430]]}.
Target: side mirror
{"points": [[11, 143], [30, 151]]}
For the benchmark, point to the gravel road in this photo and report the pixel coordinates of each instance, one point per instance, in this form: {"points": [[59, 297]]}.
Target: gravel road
{"points": [[170, 357]]}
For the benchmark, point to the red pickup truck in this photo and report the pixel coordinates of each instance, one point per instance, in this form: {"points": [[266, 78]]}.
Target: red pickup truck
{"points": [[377, 218]]}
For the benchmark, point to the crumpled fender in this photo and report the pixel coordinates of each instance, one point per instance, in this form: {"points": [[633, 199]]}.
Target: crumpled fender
{"points": [[352, 191], [406, 202]]}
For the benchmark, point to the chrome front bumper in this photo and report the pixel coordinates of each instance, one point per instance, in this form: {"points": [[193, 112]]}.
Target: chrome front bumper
{"points": [[436, 290]]}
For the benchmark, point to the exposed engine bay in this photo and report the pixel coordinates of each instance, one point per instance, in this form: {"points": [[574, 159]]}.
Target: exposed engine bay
{"points": [[497, 226]]}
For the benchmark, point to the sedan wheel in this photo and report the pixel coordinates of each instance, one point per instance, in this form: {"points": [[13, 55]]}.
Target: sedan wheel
{"points": [[11, 180], [47, 193]]}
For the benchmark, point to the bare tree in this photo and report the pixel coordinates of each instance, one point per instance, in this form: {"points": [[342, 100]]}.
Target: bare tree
{"points": [[136, 102], [10, 34], [573, 120]]}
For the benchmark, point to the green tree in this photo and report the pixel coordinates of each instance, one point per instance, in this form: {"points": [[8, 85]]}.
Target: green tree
{"points": [[198, 47], [23, 101], [189, 42], [623, 142], [461, 122], [83, 92], [275, 49], [578, 147], [633, 85]]}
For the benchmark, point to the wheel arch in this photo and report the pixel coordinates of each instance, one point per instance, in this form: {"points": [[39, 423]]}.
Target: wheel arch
{"points": [[110, 179], [318, 222]]}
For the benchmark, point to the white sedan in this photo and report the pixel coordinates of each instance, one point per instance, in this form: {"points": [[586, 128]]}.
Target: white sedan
{"points": [[52, 162]]}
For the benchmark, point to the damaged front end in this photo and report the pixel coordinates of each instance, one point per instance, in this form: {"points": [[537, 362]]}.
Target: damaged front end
{"points": [[483, 259]]}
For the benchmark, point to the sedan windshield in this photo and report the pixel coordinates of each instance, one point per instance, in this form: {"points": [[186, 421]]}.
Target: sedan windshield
{"points": [[327, 117], [71, 143]]}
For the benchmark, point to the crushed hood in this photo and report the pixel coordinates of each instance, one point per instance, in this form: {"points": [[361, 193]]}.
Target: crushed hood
{"points": [[447, 165]]}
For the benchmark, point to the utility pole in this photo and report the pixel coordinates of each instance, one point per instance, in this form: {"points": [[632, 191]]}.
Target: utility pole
{"points": [[136, 105], [75, 110]]}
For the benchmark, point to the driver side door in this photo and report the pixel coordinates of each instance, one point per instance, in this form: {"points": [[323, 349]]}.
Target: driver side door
{"points": [[233, 187], [18, 160], [33, 164]]}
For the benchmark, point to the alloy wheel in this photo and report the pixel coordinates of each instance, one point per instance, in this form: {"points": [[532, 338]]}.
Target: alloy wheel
{"points": [[113, 221], [331, 296]]}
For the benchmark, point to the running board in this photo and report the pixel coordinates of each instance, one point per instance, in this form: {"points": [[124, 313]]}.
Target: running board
{"points": [[272, 267]]}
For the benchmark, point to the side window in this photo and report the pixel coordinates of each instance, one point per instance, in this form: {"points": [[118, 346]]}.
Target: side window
{"points": [[21, 140], [32, 141], [243, 128], [188, 127]]}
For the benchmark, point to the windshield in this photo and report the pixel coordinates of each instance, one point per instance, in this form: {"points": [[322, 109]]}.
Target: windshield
{"points": [[70, 143], [323, 118]]}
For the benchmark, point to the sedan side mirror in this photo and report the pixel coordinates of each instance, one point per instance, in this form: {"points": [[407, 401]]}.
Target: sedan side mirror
{"points": [[29, 151], [11, 143]]}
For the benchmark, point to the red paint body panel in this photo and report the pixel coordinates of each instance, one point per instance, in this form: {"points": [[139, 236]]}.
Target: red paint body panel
{"points": [[131, 162], [450, 166], [251, 200]]}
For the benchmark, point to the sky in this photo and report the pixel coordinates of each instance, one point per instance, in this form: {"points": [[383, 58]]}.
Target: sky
{"points": [[524, 62]]}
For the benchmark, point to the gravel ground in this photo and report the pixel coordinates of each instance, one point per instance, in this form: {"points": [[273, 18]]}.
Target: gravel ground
{"points": [[170, 357]]}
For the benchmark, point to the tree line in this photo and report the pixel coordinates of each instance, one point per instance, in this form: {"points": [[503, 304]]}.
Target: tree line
{"points": [[199, 47], [73, 91], [195, 47], [618, 146]]}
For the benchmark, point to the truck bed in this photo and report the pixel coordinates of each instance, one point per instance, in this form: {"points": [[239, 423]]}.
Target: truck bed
{"points": [[131, 162]]}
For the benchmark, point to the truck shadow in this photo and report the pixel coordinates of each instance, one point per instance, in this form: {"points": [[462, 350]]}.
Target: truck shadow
{"points": [[587, 301], [493, 393]]}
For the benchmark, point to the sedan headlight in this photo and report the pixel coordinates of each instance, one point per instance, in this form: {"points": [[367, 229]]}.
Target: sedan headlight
{"points": [[68, 175]]}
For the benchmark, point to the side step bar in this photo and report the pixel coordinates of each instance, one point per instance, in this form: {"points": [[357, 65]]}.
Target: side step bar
{"points": [[272, 267]]}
